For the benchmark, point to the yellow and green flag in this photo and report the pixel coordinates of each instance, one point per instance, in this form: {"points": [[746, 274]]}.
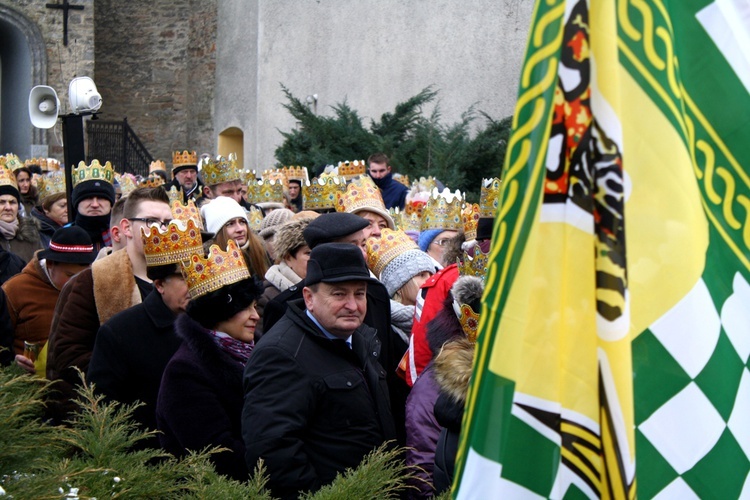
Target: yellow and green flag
{"points": [[614, 346]]}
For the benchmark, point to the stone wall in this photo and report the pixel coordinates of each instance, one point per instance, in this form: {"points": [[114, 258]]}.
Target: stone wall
{"points": [[155, 65]]}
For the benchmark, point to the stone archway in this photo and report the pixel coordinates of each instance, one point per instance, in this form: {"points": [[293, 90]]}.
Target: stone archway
{"points": [[23, 64]]}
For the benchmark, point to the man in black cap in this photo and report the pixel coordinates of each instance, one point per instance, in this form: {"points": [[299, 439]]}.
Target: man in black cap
{"points": [[316, 400], [93, 200]]}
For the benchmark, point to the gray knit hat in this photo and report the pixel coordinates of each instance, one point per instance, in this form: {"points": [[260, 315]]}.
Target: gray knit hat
{"points": [[404, 267], [273, 220]]}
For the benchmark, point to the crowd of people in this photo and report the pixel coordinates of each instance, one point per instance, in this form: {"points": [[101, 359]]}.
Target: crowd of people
{"points": [[300, 321]]}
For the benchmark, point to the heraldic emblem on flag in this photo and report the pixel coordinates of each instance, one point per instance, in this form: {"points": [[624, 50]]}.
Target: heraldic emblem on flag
{"points": [[612, 359]]}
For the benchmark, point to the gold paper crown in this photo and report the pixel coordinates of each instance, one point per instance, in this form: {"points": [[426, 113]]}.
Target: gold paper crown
{"points": [[51, 184], [175, 194], [425, 183], [157, 165], [474, 263], [177, 243], [220, 170], [488, 199], [127, 183], [361, 193], [403, 179], [396, 216], [93, 172], [470, 219], [381, 251], [7, 178], [264, 191], [321, 193], [186, 213], [152, 181], [184, 158], [53, 165], [296, 173], [204, 275], [411, 222], [469, 320], [278, 175], [254, 218], [11, 161], [351, 169], [443, 211], [40, 162]]}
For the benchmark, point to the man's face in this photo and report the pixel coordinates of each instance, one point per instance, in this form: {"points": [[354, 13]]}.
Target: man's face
{"points": [[174, 292], [148, 209], [96, 205], [379, 170], [231, 189], [357, 239], [187, 178], [339, 307], [293, 190], [377, 223], [61, 272]]}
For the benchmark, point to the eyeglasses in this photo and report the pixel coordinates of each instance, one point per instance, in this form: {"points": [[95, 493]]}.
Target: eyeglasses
{"points": [[151, 220], [442, 242]]}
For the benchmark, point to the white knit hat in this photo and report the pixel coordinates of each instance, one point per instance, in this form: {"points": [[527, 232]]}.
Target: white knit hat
{"points": [[404, 267], [219, 211]]}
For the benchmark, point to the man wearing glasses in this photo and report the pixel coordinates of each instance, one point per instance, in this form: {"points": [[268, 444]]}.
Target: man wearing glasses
{"points": [[112, 284]]}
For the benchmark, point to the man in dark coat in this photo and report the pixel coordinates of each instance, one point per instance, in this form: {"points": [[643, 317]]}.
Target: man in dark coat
{"points": [[393, 192], [316, 400]]}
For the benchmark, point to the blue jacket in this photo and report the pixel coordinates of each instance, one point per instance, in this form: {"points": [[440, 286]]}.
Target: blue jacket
{"points": [[393, 192]]}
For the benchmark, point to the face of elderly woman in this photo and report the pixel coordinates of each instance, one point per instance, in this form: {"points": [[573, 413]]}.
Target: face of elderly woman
{"points": [[8, 208]]}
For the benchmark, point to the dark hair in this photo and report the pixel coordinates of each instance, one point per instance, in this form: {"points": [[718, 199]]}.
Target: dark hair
{"points": [[378, 158], [115, 215], [220, 305], [162, 272], [133, 200], [32, 189]]}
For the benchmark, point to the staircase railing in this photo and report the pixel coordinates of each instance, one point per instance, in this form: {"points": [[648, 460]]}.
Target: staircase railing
{"points": [[117, 143]]}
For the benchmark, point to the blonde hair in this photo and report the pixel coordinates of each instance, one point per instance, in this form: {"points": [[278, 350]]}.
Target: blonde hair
{"points": [[410, 288]]}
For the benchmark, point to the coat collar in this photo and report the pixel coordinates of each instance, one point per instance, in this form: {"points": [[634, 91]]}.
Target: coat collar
{"points": [[158, 312]]}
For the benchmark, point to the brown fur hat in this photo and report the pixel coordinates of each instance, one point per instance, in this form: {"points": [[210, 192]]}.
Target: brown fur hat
{"points": [[289, 237]]}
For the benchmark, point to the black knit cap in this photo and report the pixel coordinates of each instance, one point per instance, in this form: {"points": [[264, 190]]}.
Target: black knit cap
{"points": [[332, 226], [183, 167], [337, 262], [11, 190], [94, 187], [70, 245]]}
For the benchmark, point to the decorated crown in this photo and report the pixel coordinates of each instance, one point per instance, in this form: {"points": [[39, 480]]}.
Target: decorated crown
{"points": [[402, 179], [93, 172], [11, 161], [351, 169], [177, 243], [396, 214], [254, 218], [7, 178], [220, 170], [157, 165], [127, 183], [470, 219], [488, 199], [474, 263], [361, 193], [52, 165], [264, 191], [152, 181], [426, 183], [50, 184], [443, 211], [186, 213], [321, 193], [467, 290], [296, 173], [204, 275], [184, 158], [175, 193], [411, 222], [381, 251], [40, 162], [277, 174]]}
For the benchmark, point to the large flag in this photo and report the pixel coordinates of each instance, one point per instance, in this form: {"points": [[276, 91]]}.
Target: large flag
{"points": [[614, 340]]}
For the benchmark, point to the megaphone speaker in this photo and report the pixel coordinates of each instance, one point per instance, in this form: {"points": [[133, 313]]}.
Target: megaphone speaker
{"points": [[43, 106]]}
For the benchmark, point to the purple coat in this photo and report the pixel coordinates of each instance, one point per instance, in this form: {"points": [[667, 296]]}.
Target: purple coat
{"points": [[422, 431]]}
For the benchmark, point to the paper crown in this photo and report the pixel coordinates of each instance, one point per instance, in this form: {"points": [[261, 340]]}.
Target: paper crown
{"points": [[52, 165], [93, 172], [219, 170], [443, 211], [474, 263], [157, 165], [361, 193], [351, 169], [470, 219], [467, 290], [175, 193], [277, 175], [321, 193], [51, 184], [204, 275], [488, 198], [186, 213], [7, 177], [396, 214], [184, 159], [40, 162], [469, 320], [381, 251], [152, 181], [11, 162], [264, 191], [296, 173], [402, 179], [411, 222], [175, 244], [127, 183], [425, 184], [254, 218]]}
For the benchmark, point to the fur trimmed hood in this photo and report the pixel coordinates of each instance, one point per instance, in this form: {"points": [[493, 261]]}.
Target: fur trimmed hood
{"points": [[453, 366], [28, 230], [289, 237], [115, 288]]}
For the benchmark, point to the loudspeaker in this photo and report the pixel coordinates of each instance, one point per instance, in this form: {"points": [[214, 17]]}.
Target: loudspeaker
{"points": [[43, 106], [83, 95]]}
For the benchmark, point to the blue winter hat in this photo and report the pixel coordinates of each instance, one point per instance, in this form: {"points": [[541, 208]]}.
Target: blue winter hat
{"points": [[426, 237]]}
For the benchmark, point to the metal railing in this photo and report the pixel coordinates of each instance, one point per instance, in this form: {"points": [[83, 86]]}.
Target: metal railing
{"points": [[117, 143]]}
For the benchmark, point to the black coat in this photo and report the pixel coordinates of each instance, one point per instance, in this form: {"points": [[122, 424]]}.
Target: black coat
{"points": [[10, 265], [6, 332], [131, 351], [313, 406], [200, 400]]}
